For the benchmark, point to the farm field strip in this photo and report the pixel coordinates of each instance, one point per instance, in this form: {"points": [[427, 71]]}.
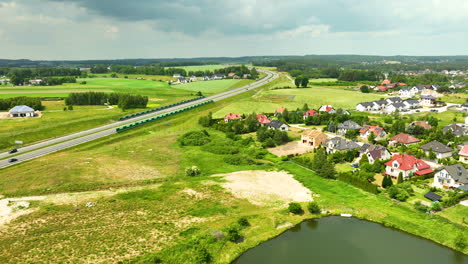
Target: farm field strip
{"points": [[88, 135]]}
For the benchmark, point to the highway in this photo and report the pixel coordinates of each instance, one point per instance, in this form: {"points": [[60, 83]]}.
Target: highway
{"points": [[56, 144]]}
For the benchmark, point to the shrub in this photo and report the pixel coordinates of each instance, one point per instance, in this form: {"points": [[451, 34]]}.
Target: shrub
{"points": [[460, 242], [398, 193], [420, 207], [192, 171], [195, 138], [236, 160], [243, 222], [233, 234], [313, 208], [202, 256], [295, 208], [218, 147]]}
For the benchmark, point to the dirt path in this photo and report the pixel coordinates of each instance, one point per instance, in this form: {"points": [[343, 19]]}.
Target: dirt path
{"points": [[295, 147], [266, 188]]}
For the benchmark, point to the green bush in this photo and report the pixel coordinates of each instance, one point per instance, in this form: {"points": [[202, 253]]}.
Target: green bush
{"points": [[221, 147], [295, 208], [202, 256], [195, 138], [313, 208], [237, 160], [243, 221], [233, 234], [192, 171], [420, 207]]}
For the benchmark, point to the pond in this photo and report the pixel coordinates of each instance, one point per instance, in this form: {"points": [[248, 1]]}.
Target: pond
{"points": [[348, 240]]}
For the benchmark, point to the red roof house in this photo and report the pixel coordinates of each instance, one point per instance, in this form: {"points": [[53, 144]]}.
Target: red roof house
{"points": [[232, 116], [406, 165], [231, 74], [403, 138], [382, 88], [385, 82], [423, 124], [263, 119], [379, 132], [280, 110], [327, 109], [463, 154], [311, 112]]}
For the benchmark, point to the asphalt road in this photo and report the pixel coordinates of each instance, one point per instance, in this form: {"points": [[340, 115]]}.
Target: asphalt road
{"points": [[60, 143]]}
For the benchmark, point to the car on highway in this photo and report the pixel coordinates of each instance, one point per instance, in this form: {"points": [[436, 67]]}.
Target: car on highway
{"points": [[434, 110], [12, 160], [12, 151]]}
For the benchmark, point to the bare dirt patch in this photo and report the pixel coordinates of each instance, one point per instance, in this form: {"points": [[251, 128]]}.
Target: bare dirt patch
{"points": [[271, 188], [291, 148]]}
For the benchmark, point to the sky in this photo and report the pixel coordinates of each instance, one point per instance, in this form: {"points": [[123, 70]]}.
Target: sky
{"points": [[115, 29]]}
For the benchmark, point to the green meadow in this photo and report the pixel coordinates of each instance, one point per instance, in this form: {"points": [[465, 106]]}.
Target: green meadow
{"points": [[212, 87], [211, 67]]}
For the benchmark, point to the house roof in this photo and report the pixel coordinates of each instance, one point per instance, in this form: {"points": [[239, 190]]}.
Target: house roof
{"points": [[398, 105], [311, 112], [412, 101], [263, 119], [21, 109], [408, 162], [381, 102], [377, 153], [404, 138], [315, 134], [430, 97], [326, 108], [375, 129], [457, 172], [432, 196], [276, 124], [232, 116], [349, 124], [455, 129], [423, 124], [342, 144], [382, 88], [395, 99], [366, 104], [386, 82], [436, 146], [464, 151], [280, 110]]}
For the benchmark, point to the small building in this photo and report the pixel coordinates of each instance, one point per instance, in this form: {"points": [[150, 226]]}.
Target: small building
{"points": [[278, 125], [379, 105], [280, 111], [206, 78], [311, 112], [404, 139], [313, 138], [427, 100], [455, 129], [35, 82], [374, 152], [433, 196], [339, 144], [441, 150], [21, 111], [396, 107], [218, 77], [346, 126], [181, 80], [193, 78], [263, 119], [452, 176], [463, 154], [423, 124], [411, 103], [232, 116], [364, 107], [394, 100], [378, 132], [327, 109], [406, 92], [406, 165], [176, 75], [418, 89], [231, 74]]}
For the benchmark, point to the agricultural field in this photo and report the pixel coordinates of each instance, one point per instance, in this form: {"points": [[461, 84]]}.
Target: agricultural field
{"points": [[212, 87], [322, 80], [201, 67]]}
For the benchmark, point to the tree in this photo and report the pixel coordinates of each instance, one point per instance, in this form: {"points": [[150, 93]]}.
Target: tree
{"points": [[364, 160], [365, 89], [331, 127], [304, 82], [432, 155], [371, 138], [233, 234], [313, 208], [298, 81], [70, 107], [295, 208], [400, 178], [305, 107]]}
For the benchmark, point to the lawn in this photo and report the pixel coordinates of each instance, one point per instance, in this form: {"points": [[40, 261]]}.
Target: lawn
{"points": [[201, 67], [322, 80], [212, 87], [270, 100], [457, 214]]}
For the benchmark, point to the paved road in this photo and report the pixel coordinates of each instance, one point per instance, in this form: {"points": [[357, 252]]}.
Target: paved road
{"points": [[57, 144]]}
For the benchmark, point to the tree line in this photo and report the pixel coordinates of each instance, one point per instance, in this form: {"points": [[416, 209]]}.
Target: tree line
{"points": [[20, 75], [124, 101], [33, 102]]}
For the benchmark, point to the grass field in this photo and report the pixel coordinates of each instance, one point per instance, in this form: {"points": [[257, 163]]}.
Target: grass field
{"points": [[201, 67], [212, 87], [321, 80]]}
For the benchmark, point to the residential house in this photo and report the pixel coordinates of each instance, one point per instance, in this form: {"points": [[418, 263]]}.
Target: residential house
{"points": [[206, 78], [429, 92], [417, 89], [374, 152], [423, 124], [313, 138], [463, 154], [406, 164], [379, 105], [263, 119], [311, 112], [385, 82], [176, 75], [246, 76], [456, 129], [396, 107], [391, 86], [193, 78], [231, 74], [404, 139], [217, 77], [339, 144], [327, 109], [452, 176], [280, 111], [381, 88], [394, 100], [364, 107], [278, 125], [441, 150], [427, 101], [406, 92], [232, 116], [182, 80], [35, 82], [378, 132], [21, 111], [411, 103], [346, 126]]}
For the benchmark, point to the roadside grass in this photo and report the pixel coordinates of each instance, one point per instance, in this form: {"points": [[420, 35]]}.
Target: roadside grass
{"points": [[339, 197], [212, 87]]}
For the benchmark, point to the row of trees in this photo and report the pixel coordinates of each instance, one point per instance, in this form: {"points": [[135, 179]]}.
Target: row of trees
{"points": [[33, 102], [124, 101], [19, 75], [320, 164], [301, 81]]}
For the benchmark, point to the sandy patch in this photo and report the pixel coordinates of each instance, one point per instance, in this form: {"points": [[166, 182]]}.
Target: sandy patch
{"points": [[291, 148], [12, 208], [193, 193], [271, 188]]}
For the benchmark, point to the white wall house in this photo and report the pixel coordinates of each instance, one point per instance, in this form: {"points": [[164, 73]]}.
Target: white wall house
{"points": [[452, 176], [21, 111]]}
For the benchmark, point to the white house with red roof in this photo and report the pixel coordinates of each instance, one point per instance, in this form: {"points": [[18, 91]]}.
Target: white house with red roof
{"points": [[327, 109], [232, 116], [231, 74], [311, 112], [406, 164], [378, 132], [463, 154], [263, 119]]}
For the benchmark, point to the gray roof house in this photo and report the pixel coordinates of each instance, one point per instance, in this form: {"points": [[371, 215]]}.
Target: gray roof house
{"points": [[365, 106], [347, 125], [441, 150], [394, 100], [278, 125], [21, 111], [455, 129], [339, 144], [453, 176]]}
